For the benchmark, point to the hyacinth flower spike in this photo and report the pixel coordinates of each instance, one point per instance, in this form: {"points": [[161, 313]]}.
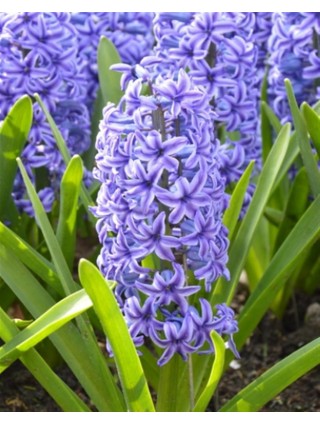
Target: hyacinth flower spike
{"points": [[162, 196]]}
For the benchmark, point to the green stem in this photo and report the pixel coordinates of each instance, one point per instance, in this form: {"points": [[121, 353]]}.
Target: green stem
{"points": [[191, 389], [168, 389]]}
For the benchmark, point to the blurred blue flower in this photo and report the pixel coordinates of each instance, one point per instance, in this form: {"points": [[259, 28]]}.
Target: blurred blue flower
{"points": [[38, 54]]}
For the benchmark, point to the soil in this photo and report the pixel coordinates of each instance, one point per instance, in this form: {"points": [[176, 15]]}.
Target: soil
{"points": [[272, 341]]}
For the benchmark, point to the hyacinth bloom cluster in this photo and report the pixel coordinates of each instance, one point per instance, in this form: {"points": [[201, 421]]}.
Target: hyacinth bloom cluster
{"points": [[160, 209], [38, 54], [294, 54], [130, 32], [261, 34], [220, 51]]}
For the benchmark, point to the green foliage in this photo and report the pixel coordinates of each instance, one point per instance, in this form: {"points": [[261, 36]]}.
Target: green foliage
{"points": [[238, 251], [45, 325], [304, 143], [275, 380], [62, 146], [58, 390], [70, 190], [313, 125], [109, 80], [276, 242], [215, 374], [14, 132], [134, 384]]}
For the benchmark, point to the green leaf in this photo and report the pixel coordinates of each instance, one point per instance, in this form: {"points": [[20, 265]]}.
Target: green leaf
{"points": [[291, 155], [21, 324], [296, 206], [215, 374], [109, 80], [53, 319], [130, 371], [68, 284], [62, 146], [266, 129], [316, 107], [150, 367], [59, 261], [303, 235], [173, 384], [224, 291], [231, 215], [70, 190], [275, 380], [89, 155], [304, 144], [274, 216], [7, 297], [313, 125], [311, 282], [52, 383], [84, 358], [31, 258], [14, 132], [259, 253], [273, 120]]}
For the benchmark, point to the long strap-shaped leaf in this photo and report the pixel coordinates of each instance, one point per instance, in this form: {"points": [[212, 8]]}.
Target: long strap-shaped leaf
{"points": [[70, 190], [59, 261], [298, 200], [53, 319], [273, 119], [231, 216], [304, 144], [275, 380], [52, 383], [291, 155], [13, 135], [89, 340], [224, 291], [133, 381], [283, 263], [89, 366], [313, 125], [215, 374], [84, 193], [109, 80], [31, 258]]}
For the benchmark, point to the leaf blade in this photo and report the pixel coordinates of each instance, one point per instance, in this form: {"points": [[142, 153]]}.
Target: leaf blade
{"points": [[231, 214], [84, 193], [70, 191], [313, 125], [13, 135], [301, 238], [52, 383], [109, 80], [223, 291], [215, 374], [304, 145], [50, 321], [275, 380], [88, 365], [130, 371]]}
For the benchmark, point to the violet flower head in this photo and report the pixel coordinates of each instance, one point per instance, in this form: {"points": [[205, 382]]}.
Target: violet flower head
{"points": [[160, 204], [130, 32], [293, 49], [38, 54], [220, 52]]}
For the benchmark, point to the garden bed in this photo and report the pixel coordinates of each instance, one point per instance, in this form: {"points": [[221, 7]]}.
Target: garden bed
{"points": [[272, 341]]}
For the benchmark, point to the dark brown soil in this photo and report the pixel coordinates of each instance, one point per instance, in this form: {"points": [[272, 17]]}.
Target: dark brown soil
{"points": [[272, 341]]}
